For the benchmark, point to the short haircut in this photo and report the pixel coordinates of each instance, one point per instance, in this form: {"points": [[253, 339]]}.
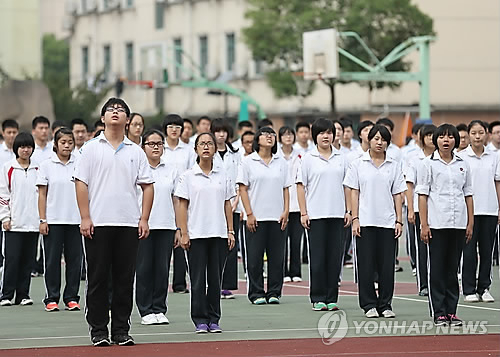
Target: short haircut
{"points": [[115, 101], [302, 124], [23, 139], [387, 122], [132, 115], [319, 126], [462, 127], [256, 146], [173, 119], [59, 134], [78, 121], [198, 139], [264, 122], [363, 125], [492, 125], [219, 125], [428, 129], [189, 121], [247, 133], [98, 123], [203, 117], [39, 120], [446, 129], [285, 129], [245, 124], [335, 121], [57, 124], [477, 122], [10, 123], [384, 132], [98, 132], [416, 128], [150, 132], [346, 122]]}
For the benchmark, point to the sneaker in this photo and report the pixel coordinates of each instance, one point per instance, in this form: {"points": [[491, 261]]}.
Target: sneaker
{"points": [[320, 306], [26, 302], [332, 306], [101, 341], [149, 319], [375, 284], [201, 328], [51, 306], [454, 320], [423, 292], [296, 279], [287, 279], [398, 268], [388, 314], [440, 321], [259, 301], [5, 302], [273, 300], [182, 291], [161, 319], [486, 296], [123, 340], [471, 298], [226, 294], [372, 313], [414, 272], [73, 306], [214, 328]]}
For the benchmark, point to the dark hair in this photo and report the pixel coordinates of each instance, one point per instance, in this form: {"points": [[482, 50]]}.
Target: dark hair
{"points": [[203, 117], [249, 132], [10, 123], [23, 139], [346, 122], [98, 123], [321, 125], [132, 115], [263, 123], [416, 128], [172, 119], [446, 129], [39, 120], [426, 130], [150, 132], [222, 125], [461, 127], [115, 101], [492, 125], [256, 146], [57, 124], [98, 132], [59, 134], [387, 122], [335, 121], [363, 125], [245, 124], [384, 132], [302, 124], [198, 139], [283, 130], [477, 122], [186, 120], [78, 121]]}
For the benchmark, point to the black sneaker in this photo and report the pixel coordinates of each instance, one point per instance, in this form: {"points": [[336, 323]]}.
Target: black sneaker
{"points": [[440, 321], [123, 340], [454, 320], [101, 341]]}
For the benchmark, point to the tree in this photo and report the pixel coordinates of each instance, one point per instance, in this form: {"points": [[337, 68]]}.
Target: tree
{"points": [[79, 102], [275, 34]]}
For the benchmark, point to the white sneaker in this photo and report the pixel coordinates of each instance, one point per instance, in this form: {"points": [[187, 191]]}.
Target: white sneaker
{"points": [[161, 318], [26, 302], [296, 279], [486, 297], [414, 271], [5, 302], [388, 314], [287, 279], [372, 313], [471, 298], [149, 319]]}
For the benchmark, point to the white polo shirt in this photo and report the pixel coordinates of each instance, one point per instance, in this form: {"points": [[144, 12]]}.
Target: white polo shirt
{"points": [[411, 174], [322, 180], [183, 156], [293, 163], [112, 176], [354, 154], [230, 164], [376, 186], [492, 147], [485, 171], [206, 195], [302, 151], [5, 154], [265, 184], [61, 207], [41, 154], [394, 152], [446, 185]]}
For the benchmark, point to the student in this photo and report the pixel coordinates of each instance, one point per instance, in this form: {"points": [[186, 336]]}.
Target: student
{"points": [[294, 231], [187, 133], [348, 142], [339, 133], [392, 150], [135, 128], [19, 215], [303, 134], [43, 147], [447, 217], [324, 212], [228, 158], [376, 182], [56, 125], [247, 143], [264, 181], [464, 137], [485, 173], [243, 126], [79, 128], [203, 125], [106, 179], [264, 123], [206, 220], [494, 136], [59, 223], [414, 144], [419, 247], [154, 253]]}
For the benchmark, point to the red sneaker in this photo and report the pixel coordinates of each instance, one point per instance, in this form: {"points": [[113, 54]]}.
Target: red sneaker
{"points": [[51, 306], [73, 306]]}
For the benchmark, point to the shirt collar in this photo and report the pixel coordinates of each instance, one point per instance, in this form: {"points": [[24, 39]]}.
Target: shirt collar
{"points": [[56, 159], [255, 156], [315, 152], [471, 152], [126, 141], [366, 156], [455, 157], [198, 171]]}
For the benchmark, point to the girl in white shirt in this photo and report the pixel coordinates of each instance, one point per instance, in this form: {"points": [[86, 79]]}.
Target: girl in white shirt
{"points": [[264, 181], [59, 223], [205, 218], [447, 217], [485, 170], [20, 221], [154, 253], [135, 128], [324, 212], [377, 182]]}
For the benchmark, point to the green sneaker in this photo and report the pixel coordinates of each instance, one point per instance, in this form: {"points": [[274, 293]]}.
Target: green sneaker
{"points": [[319, 306], [273, 300], [259, 301], [332, 306]]}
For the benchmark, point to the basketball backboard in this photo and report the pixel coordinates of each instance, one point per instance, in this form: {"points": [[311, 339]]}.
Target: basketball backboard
{"points": [[320, 57]]}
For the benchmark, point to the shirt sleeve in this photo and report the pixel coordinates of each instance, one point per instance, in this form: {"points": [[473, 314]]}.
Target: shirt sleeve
{"points": [[351, 179], [468, 191], [287, 178], [230, 189], [144, 175], [497, 171], [399, 184], [42, 178], [301, 176], [423, 178], [182, 189], [191, 157], [4, 194], [82, 166], [243, 176], [411, 173]]}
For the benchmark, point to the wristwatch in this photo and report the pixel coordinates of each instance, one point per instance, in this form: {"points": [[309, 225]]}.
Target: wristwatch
{"points": [[230, 232], [43, 221]]}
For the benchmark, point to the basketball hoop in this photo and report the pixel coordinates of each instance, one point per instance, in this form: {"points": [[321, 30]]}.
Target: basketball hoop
{"points": [[146, 84], [303, 85]]}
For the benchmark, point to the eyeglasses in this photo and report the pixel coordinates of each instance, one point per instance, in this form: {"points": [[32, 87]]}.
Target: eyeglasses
{"points": [[269, 135], [206, 143], [153, 144], [112, 109], [177, 127]]}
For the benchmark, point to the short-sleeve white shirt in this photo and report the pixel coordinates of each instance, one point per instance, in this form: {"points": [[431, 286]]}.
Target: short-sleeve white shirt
{"points": [[41, 154], [293, 163], [411, 174], [5, 154], [183, 156], [162, 213]]}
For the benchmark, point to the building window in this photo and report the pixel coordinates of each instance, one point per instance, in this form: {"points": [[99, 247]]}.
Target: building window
{"points": [[84, 6], [258, 66], [159, 14], [85, 62], [231, 55], [178, 58], [130, 3], [203, 55], [107, 62], [129, 60]]}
